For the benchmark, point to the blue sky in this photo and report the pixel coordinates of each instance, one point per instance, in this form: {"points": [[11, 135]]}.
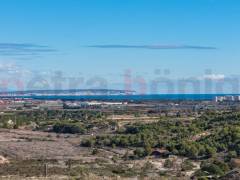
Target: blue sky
{"points": [[104, 38]]}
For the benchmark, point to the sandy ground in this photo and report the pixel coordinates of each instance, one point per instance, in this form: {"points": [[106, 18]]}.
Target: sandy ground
{"points": [[25, 144]]}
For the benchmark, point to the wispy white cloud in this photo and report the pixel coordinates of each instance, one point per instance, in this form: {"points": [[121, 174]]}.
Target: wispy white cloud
{"points": [[13, 70], [152, 47], [214, 77], [23, 49]]}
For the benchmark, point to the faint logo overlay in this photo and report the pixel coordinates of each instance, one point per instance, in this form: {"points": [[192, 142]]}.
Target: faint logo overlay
{"points": [[160, 82]]}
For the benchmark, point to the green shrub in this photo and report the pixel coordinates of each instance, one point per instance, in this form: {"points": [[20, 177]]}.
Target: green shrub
{"points": [[68, 128]]}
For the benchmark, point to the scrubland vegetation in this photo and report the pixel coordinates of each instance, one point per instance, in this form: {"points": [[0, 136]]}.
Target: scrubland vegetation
{"points": [[207, 146]]}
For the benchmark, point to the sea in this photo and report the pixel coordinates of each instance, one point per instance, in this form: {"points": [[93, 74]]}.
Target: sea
{"points": [[149, 97]]}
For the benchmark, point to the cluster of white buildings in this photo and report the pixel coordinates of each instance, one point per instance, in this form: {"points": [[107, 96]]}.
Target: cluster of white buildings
{"points": [[93, 103], [229, 98]]}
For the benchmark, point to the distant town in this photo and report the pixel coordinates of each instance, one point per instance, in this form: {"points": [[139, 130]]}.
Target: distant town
{"points": [[228, 98], [28, 101]]}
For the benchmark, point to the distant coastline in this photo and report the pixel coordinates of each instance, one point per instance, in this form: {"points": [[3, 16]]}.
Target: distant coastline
{"points": [[68, 92], [103, 94]]}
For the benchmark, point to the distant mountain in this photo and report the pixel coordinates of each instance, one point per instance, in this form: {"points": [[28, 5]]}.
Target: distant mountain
{"points": [[71, 92]]}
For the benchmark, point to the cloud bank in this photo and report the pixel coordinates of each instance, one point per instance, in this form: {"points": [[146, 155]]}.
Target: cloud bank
{"points": [[214, 77], [23, 49], [153, 47]]}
